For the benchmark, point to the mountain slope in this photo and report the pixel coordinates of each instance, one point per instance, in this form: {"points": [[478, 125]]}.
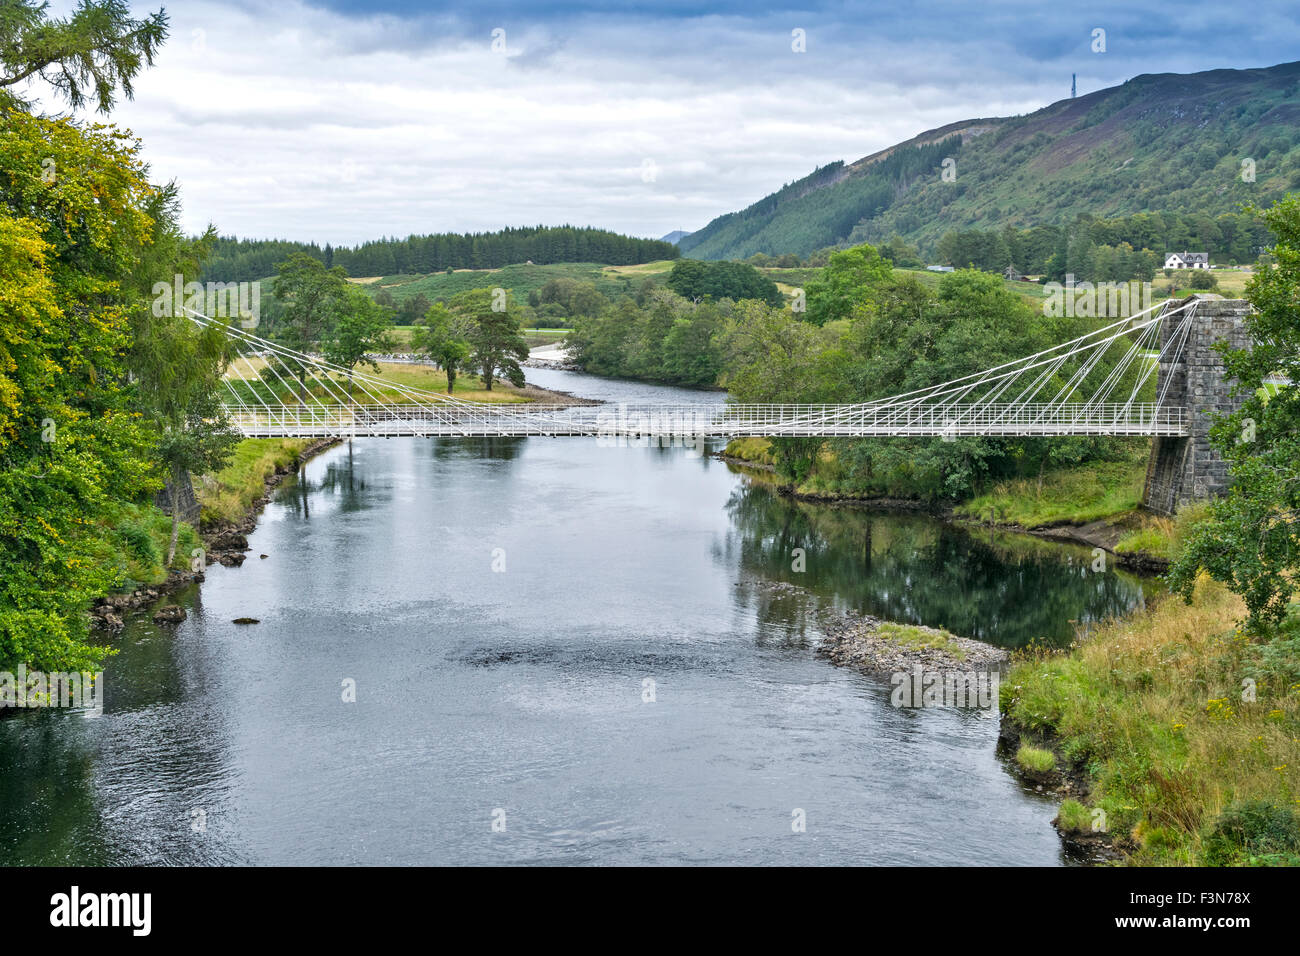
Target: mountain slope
{"points": [[1160, 142]]}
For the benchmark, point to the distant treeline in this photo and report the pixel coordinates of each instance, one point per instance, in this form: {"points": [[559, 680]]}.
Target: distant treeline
{"points": [[242, 260], [1129, 247]]}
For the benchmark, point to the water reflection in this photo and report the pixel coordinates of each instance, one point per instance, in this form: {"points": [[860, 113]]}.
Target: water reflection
{"points": [[999, 587]]}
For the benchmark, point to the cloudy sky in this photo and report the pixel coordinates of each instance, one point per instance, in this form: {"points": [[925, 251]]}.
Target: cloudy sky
{"points": [[343, 121]]}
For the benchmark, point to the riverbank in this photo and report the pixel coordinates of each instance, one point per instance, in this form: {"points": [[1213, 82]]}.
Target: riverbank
{"points": [[1175, 734], [1097, 505], [230, 502]]}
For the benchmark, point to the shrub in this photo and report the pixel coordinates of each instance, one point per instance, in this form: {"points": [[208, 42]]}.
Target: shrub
{"points": [[1251, 829], [1035, 759], [1074, 817]]}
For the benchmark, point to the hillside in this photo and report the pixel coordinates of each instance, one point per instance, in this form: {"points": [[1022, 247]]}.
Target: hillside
{"points": [[519, 279], [1160, 142]]}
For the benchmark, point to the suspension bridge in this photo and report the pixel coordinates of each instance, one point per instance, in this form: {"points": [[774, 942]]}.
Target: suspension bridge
{"points": [[1107, 382]]}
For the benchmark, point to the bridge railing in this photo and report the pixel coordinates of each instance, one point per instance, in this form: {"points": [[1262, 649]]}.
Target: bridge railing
{"points": [[715, 420]]}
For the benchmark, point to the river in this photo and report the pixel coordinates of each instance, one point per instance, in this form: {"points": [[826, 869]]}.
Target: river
{"points": [[561, 653]]}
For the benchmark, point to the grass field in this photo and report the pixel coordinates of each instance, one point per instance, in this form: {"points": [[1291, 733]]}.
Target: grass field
{"points": [[519, 279], [395, 374]]}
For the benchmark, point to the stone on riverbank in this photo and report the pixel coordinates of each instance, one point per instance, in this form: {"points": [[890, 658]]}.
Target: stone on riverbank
{"points": [[881, 647]]}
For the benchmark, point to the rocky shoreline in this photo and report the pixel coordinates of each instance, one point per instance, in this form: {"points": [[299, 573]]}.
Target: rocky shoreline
{"points": [[225, 544], [1066, 781], [865, 644], [556, 364]]}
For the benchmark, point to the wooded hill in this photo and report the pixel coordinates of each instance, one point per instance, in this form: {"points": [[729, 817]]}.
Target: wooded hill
{"points": [[1173, 143]]}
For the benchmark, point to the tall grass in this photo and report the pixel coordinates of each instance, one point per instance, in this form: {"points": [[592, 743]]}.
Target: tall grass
{"points": [[227, 495], [1091, 492], [1178, 717], [137, 547]]}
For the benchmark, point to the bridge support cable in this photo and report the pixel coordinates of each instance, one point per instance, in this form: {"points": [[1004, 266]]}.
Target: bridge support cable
{"points": [[1051, 392]]}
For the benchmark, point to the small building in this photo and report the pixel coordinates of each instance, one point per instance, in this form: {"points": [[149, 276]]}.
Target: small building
{"points": [[1187, 260], [939, 268], [1012, 275]]}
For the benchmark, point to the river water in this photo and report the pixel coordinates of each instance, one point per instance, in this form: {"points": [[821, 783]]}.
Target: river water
{"points": [[504, 610]]}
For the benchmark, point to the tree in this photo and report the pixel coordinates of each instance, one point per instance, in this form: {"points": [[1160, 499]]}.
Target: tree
{"points": [[312, 296], [176, 366], [413, 309], [1250, 539], [361, 327], [845, 283], [441, 333], [696, 280], [89, 55], [496, 342], [774, 357], [70, 448]]}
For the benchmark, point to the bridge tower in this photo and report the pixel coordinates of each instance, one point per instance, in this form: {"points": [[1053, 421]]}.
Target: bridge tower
{"points": [[1182, 470]]}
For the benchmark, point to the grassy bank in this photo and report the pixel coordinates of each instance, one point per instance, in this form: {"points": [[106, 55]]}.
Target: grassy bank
{"points": [[140, 535], [1074, 495], [228, 494], [1187, 730], [1077, 495]]}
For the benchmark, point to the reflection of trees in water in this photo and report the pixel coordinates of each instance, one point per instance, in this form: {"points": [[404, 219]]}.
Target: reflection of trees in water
{"points": [[48, 823], [63, 775], [341, 481], [495, 448], [997, 587]]}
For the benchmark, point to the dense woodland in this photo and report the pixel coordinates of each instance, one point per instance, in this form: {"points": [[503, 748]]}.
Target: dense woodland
{"points": [[246, 260], [1098, 250]]}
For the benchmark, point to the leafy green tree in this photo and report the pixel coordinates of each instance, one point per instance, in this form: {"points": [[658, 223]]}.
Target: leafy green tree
{"points": [[496, 341], [200, 441], [846, 283], [413, 309], [696, 280], [602, 344], [442, 334], [360, 327], [312, 296], [1251, 537], [774, 357], [693, 349], [176, 367], [89, 55], [71, 449]]}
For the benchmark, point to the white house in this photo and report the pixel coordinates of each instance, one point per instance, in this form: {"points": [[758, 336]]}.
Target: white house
{"points": [[1187, 260]]}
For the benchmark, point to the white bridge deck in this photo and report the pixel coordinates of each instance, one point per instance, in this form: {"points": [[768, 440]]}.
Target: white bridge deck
{"points": [[708, 420]]}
